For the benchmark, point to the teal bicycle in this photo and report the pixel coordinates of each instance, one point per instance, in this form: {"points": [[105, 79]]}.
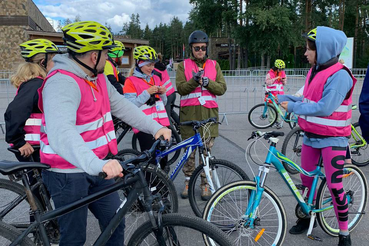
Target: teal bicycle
{"points": [[266, 114], [252, 214]]}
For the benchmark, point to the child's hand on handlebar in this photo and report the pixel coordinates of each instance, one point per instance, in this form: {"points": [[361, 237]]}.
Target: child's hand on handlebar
{"points": [[112, 168], [165, 132]]}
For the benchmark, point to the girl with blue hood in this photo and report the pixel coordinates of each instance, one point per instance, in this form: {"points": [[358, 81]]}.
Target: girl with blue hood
{"points": [[325, 116]]}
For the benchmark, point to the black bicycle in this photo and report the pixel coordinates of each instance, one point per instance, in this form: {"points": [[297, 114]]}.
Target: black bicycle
{"points": [[161, 229]]}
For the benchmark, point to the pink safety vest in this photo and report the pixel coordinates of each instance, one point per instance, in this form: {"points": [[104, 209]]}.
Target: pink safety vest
{"points": [[156, 111], [166, 80], [277, 87], [193, 99], [32, 127], [338, 124], [93, 122]]}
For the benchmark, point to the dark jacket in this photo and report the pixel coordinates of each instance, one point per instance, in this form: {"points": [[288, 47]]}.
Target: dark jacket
{"points": [[19, 110], [364, 107]]}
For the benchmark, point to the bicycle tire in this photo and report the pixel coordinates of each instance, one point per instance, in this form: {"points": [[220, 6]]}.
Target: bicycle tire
{"points": [[360, 155], [292, 120], [18, 215], [155, 178], [291, 148], [9, 233], [232, 201], [258, 110], [232, 173], [170, 223], [175, 139], [353, 178]]}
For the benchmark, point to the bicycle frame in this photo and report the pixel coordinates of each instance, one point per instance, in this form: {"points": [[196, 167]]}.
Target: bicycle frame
{"points": [[357, 137], [272, 98], [191, 144], [138, 188], [274, 158]]}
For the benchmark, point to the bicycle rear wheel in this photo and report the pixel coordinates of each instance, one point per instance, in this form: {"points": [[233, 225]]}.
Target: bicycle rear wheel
{"points": [[159, 183], [291, 148], [180, 230], [175, 139], [355, 187], [8, 234], [359, 155], [262, 117], [222, 172], [226, 209]]}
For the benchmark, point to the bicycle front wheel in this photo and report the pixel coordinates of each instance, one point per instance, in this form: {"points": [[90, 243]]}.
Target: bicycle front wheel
{"points": [[180, 230], [222, 172], [8, 234], [159, 183], [261, 116], [359, 154], [291, 148], [226, 209], [356, 189]]}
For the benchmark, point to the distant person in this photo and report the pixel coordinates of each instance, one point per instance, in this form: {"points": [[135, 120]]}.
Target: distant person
{"points": [[111, 66], [199, 81], [364, 107], [275, 80]]}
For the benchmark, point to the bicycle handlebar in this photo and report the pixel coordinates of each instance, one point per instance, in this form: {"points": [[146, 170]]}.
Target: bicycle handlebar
{"points": [[16, 151], [197, 124]]}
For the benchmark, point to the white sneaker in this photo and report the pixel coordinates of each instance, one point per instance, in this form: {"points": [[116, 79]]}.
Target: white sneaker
{"points": [[278, 125]]}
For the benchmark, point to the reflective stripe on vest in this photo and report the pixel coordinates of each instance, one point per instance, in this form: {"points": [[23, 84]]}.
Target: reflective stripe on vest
{"points": [[157, 111], [192, 99], [32, 129], [94, 124], [166, 81], [338, 124]]}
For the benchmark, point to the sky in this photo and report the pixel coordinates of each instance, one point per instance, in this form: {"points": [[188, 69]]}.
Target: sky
{"points": [[116, 12]]}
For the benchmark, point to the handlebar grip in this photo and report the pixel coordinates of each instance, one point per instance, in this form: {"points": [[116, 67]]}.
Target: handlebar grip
{"points": [[102, 175]]}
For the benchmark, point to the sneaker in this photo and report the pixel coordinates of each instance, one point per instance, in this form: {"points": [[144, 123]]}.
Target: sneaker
{"points": [[278, 125], [205, 192], [184, 193], [344, 240], [301, 226]]}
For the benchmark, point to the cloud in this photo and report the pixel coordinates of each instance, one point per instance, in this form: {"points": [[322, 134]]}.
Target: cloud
{"points": [[116, 12]]}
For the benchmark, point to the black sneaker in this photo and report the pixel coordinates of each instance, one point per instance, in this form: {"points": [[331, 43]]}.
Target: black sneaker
{"points": [[301, 226], [344, 240]]}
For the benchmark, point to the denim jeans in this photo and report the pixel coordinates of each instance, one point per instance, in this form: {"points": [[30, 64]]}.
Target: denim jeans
{"points": [[69, 187]]}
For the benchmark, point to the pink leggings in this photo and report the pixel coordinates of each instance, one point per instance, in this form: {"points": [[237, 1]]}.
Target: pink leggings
{"points": [[333, 160]]}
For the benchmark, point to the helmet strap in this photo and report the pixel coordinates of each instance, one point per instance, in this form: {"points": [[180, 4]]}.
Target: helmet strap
{"points": [[93, 70], [44, 63]]}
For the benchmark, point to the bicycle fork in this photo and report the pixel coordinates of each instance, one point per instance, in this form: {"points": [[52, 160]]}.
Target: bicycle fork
{"points": [[206, 167]]}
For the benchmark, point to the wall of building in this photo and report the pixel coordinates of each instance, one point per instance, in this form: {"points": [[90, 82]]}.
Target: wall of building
{"points": [[35, 14]]}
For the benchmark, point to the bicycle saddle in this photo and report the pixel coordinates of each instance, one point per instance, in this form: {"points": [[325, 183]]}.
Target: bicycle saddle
{"points": [[10, 167]]}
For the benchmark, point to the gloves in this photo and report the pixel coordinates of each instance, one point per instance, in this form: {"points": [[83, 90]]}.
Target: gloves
{"points": [[205, 81], [197, 76]]}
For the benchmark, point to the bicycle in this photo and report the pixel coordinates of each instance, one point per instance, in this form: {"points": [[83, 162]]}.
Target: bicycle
{"points": [[14, 206], [251, 212], [292, 145], [265, 114], [161, 228], [218, 172]]}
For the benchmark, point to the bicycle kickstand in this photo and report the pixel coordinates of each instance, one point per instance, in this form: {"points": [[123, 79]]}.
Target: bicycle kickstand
{"points": [[311, 225]]}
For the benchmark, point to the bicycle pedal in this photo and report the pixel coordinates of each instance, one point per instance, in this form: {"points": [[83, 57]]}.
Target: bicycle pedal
{"points": [[315, 238]]}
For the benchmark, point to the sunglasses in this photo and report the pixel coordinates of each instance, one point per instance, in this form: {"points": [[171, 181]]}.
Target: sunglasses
{"points": [[197, 48]]}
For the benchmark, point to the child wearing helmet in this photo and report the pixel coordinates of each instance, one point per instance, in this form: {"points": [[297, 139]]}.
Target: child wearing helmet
{"points": [[275, 80], [325, 116], [22, 117], [78, 132], [145, 88], [114, 60]]}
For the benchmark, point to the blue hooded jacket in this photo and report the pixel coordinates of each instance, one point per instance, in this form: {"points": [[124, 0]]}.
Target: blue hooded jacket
{"points": [[329, 45], [364, 107]]}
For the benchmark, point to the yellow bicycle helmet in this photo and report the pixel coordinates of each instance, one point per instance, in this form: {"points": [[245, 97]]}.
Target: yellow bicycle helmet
{"points": [[118, 51], [84, 36], [33, 47], [279, 64], [145, 53], [311, 35]]}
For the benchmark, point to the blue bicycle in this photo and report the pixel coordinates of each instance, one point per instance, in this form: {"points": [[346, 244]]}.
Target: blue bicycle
{"points": [[252, 214], [217, 172]]}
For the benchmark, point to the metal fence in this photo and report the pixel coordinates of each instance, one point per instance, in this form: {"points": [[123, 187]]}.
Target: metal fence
{"points": [[244, 89]]}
